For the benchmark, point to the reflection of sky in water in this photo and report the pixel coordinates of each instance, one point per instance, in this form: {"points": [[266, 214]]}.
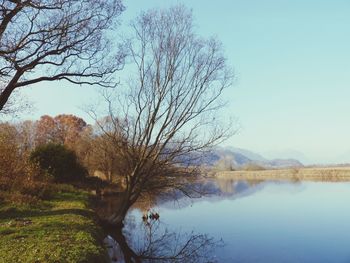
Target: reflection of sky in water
{"points": [[270, 221]]}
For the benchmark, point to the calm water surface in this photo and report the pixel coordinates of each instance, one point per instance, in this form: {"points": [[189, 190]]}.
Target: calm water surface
{"points": [[260, 221]]}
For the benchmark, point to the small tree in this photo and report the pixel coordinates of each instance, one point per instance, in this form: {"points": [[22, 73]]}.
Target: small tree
{"points": [[59, 162], [10, 167], [15, 146], [56, 40], [104, 157], [169, 113]]}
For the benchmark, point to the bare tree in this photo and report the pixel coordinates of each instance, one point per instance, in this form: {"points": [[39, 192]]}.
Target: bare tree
{"points": [[168, 114], [46, 40], [103, 157]]}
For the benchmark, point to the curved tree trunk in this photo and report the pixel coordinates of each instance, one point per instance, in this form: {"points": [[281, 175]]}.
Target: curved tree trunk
{"points": [[117, 218], [129, 255]]}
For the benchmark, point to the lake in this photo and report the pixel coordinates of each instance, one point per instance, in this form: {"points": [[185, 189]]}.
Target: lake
{"points": [[249, 221]]}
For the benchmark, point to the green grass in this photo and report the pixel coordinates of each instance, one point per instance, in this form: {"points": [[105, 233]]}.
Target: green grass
{"points": [[61, 230]]}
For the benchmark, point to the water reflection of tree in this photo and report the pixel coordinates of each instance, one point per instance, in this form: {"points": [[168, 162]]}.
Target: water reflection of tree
{"points": [[151, 242], [191, 190], [156, 244]]}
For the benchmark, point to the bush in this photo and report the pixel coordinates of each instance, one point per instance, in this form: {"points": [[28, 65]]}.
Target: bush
{"points": [[59, 162], [41, 190], [18, 198]]}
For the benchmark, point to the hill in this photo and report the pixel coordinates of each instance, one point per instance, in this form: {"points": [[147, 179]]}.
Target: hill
{"points": [[237, 158]]}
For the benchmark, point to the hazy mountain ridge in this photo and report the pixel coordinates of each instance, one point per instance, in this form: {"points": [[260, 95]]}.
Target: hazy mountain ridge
{"points": [[230, 157]]}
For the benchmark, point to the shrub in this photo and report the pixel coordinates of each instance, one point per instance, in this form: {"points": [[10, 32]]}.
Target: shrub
{"points": [[59, 162], [41, 190], [18, 198]]}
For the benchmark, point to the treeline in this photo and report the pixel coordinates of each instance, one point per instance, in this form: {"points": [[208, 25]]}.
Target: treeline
{"points": [[61, 149]]}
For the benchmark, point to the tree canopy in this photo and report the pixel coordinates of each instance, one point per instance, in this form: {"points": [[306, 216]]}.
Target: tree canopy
{"points": [[56, 40]]}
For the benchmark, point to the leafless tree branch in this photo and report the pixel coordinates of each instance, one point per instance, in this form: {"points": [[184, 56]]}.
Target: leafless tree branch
{"points": [[170, 110], [57, 40]]}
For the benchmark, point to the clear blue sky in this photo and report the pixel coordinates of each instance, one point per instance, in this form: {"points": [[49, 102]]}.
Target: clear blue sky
{"points": [[292, 65]]}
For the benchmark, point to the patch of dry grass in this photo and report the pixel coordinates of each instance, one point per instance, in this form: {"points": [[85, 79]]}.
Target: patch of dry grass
{"points": [[331, 174]]}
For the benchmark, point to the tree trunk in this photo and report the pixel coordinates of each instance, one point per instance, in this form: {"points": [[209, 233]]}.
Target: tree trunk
{"points": [[5, 95], [129, 255], [115, 225], [7, 91], [117, 218]]}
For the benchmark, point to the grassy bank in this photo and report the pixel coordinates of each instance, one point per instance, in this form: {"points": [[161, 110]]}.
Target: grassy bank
{"points": [[333, 174], [62, 229]]}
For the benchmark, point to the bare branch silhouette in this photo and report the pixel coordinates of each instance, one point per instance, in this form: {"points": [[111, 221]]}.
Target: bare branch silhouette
{"points": [[169, 115], [56, 40]]}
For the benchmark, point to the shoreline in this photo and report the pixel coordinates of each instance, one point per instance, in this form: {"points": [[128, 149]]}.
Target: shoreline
{"points": [[70, 228], [331, 174]]}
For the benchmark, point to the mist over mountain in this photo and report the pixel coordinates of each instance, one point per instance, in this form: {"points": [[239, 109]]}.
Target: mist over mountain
{"points": [[235, 158], [289, 154]]}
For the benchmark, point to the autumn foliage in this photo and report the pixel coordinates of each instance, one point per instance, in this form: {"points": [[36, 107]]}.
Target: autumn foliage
{"points": [[9, 152], [62, 129], [35, 153]]}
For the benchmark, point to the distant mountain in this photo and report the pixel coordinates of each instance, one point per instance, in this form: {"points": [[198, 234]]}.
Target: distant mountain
{"points": [[225, 155], [231, 157], [251, 155], [288, 154]]}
